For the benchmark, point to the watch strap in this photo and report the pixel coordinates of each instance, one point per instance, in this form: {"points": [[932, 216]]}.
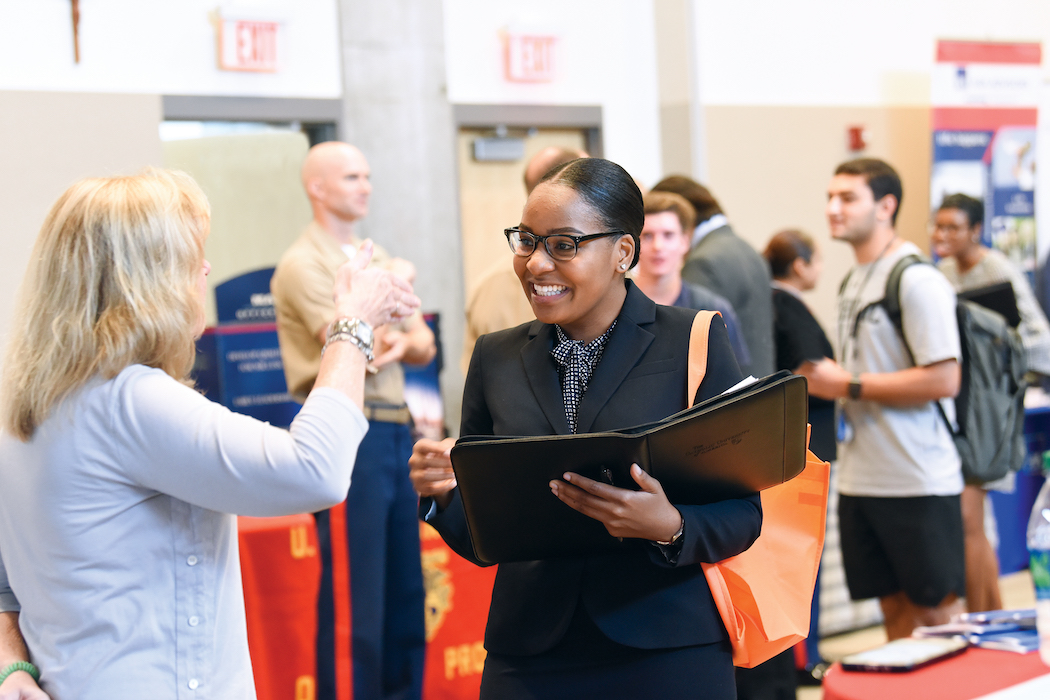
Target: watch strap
{"points": [[854, 387], [353, 330]]}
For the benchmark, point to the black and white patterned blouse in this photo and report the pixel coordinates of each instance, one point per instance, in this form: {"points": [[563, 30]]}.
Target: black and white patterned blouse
{"points": [[576, 361]]}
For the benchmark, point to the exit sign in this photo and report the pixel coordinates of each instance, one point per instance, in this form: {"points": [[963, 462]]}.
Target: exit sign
{"points": [[529, 58], [248, 45]]}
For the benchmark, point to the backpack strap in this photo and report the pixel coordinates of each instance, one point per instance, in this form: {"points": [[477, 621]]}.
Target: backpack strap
{"points": [[891, 302], [698, 341], [891, 298]]}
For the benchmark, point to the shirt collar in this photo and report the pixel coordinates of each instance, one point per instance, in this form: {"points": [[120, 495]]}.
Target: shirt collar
{"points": [[590, 348], [786, 288], [706, 227]]}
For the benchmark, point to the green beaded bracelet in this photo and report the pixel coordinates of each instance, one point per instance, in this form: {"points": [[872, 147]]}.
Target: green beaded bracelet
{"points": [[20, 666]]}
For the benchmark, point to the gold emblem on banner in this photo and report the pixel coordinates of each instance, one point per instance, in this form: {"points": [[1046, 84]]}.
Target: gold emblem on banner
{"points": [[427, 533], [465, 660], [305, 688], [301, 547], [438, 584]]}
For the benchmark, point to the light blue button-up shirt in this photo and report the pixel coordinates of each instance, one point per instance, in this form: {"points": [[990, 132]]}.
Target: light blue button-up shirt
{"points": [[116, 539]]}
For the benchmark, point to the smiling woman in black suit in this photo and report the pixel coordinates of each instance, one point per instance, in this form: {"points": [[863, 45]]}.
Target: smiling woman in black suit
{"points": [[638, 622]]}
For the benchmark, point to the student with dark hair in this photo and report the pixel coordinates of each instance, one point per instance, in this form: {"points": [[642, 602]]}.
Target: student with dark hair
{"points": [[880, 178], [664, 242], [638, 621], [796, 265], [722, 261], [704, 203], [899, 474], [968, 264], [955, 236]]}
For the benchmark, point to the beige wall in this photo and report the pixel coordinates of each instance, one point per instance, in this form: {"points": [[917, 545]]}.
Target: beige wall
{"points": [[258, 206], [769, 167], [50, 140]]}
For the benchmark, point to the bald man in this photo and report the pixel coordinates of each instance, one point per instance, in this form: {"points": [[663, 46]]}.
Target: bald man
{"points": [[544, 160], [498, 301], [382, 533]]}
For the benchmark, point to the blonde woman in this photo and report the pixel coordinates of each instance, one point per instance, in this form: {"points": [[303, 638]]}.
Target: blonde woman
{"points": [[119, 571]]}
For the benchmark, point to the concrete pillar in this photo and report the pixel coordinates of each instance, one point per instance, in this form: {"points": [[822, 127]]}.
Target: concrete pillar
{"points": [[396, 110], [681, 114]]}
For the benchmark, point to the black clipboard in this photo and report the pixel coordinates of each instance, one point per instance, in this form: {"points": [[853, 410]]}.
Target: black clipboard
{"points": [[999, 297], [729, 446]]}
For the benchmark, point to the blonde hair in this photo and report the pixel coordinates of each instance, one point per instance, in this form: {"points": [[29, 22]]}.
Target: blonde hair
{"points": [[112, 282]]}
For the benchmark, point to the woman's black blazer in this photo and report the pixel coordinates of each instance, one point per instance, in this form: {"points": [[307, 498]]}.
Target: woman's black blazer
{"points": [[634, 595]]}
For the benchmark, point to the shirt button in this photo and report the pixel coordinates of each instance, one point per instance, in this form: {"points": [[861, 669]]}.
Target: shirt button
{"points": [[191, 560], [193, 684], [194, 621]]}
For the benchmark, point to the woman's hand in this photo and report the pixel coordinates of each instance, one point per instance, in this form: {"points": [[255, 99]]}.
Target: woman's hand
{"points": [[21, 686], [645, 514], [390, 346], [373, 295], [430, 469]]}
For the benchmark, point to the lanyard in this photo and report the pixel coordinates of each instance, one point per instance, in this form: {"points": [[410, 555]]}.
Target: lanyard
{"points": [[847, 320]]}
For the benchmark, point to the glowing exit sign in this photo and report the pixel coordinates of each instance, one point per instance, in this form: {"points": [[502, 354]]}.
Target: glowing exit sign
{"points": [[248, 45], [529, 58]]}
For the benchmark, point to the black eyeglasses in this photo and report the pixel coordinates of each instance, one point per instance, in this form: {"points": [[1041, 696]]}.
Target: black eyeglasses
{"points": [[560, 246]]}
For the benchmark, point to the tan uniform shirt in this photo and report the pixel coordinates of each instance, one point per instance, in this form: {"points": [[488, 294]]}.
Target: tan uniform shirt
{"points": [[302, 288], [497, 303]]}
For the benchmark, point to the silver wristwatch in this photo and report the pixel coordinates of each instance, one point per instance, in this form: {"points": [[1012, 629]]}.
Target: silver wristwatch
{"points": [[353, 329]]}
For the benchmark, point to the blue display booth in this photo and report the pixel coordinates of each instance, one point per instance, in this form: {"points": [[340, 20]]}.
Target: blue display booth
{"points": [[239, 361], [1012, 509]]}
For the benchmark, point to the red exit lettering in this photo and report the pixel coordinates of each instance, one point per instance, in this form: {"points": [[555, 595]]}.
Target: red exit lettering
{"points": [[530, 58], [248, 45]]}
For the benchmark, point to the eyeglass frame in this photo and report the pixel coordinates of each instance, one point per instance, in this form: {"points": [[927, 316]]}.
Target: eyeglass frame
{"points": [[576, 240], [932, 226]]}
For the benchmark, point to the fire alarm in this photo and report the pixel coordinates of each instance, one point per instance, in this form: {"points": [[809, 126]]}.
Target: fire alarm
{"points": [[856, 138]]}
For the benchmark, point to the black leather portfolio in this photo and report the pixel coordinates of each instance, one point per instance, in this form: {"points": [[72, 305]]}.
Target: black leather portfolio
{"points": [[729, 446], [998, 297]]}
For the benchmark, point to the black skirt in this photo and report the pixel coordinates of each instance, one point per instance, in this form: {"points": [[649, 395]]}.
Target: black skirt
{"points": [[587, 664]]}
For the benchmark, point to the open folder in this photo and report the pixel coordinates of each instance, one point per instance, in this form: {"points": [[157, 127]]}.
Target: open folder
{"points": [[729, 446], [998, 297]]}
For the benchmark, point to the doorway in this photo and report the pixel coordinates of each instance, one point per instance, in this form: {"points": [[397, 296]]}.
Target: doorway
{"points": [[492, 193]]}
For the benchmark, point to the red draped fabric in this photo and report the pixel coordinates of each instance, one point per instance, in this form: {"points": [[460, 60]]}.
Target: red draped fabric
{"points": [[973, 673], [457, 606], [281, 571]]}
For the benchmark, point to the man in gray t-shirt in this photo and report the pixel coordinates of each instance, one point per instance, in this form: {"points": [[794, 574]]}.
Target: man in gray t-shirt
{"points": [[899, 472]]}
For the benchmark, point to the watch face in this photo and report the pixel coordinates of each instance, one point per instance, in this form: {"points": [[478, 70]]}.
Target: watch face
{"points": [[363, 331], [355, 327]]}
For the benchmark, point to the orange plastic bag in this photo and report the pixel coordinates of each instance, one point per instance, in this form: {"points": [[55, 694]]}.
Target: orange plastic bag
{"points": [[764, 594]]}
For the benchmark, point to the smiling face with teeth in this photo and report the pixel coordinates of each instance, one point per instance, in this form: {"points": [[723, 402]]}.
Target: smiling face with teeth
{"points": [[583, 295]]}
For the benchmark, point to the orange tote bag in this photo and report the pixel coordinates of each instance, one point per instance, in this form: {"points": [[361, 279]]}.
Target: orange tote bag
{"points": [[763, 594]]}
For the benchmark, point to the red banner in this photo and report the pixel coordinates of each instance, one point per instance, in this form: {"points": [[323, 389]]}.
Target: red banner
{"points": [[457, 607], [281, 571]]}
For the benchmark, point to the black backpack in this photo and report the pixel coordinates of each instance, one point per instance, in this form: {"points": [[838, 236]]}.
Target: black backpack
{"points": [[990, 406]]}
